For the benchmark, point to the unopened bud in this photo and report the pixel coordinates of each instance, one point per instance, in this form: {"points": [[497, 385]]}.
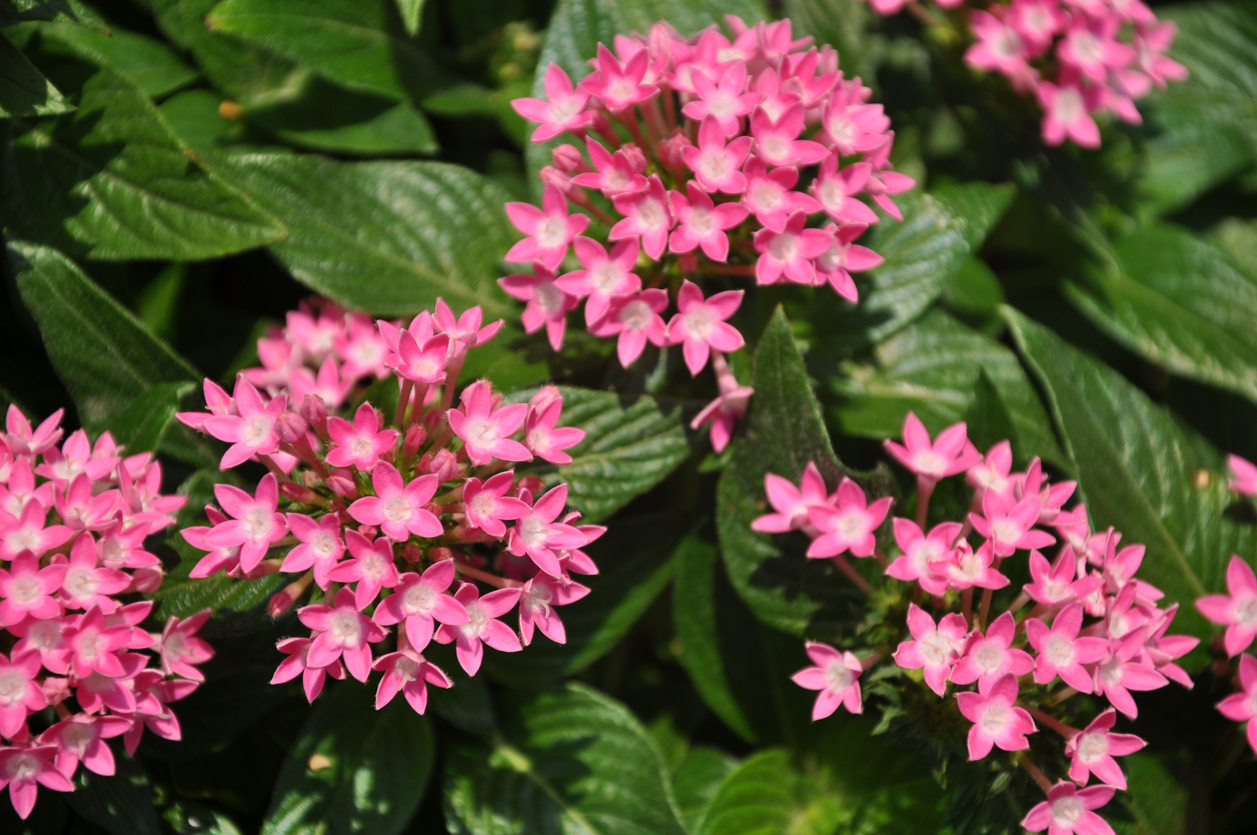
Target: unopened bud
{"points": [[634, 156], [285, 598], [545, 395], [495, 400], [569, 158], [530, 483], [298, 493], [291, 427], [439, 553], [148, 579], [415, 436], [314, 410], [369, 531], [424, 463], [551, 176], [432, 419], [444, 465], [688, 262], [342, 486], [56, 689], [672, 150], [411, 553]]}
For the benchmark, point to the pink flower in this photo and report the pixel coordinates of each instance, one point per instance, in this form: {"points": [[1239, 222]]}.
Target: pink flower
{"points": [[1066, 114], [80, 510], [564, 110], [421, 363], [999, 46], [1242, 707], [1243, 475], [545, 438], [93, 646], [22, 440], [836, 675], [21, 769], [321, 546], [716, 166], [965, 568], [1090, 47], [1236, 610], [27, 533], [1037, 22], [256, 522], [777, 142], [991, 656], [700, 325], [1061, 652], [835, 190], [482, 626], [933, 649], [27, 590], [920, 551], [486, 431], [947, 455], [850, 524], [361, 443], [20, 693], [723, 414], [344, 634], [637, 321], [619, 85], [647, 215], [81, 738], [1151, 43], [537, 600], [1093, 750], [604, 277], [1068, 809], [850, 125], [701, 223], [996, 722], [789, 252], [792, 504], [297, 664], [1056, 586], [411, 673], [844, 257], [252, 430], [546, 305], [371, 568], [770, 196], [1009, 525], [1122, 671], [724, 100], [549, 229], [329, 385], [488, 506], [618, 173], [419, 601], [398, 508], [181, 650], [538, 535]]}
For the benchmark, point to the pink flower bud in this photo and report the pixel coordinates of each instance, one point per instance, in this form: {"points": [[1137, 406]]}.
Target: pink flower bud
{"points": [[56, 689], [369, 531], [415, 436], [530, 483], [148, 579], [314, 411], [635, 157], [342, 486], [688, 262], [439, 553], [568, 158], [432, 419], [672, 149], [283, 600], [411, 553], [551, 176], [444, 465], [291, 427], [298, 493]]}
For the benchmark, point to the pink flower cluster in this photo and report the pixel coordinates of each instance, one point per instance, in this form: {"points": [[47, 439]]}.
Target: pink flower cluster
{"points": [[1077, 57], [1237, 611], [1085, 620], [395, 521], [706, 157], [73, 522]]}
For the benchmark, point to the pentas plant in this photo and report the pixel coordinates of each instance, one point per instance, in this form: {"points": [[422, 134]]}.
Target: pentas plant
{"points": [[78, 665], [1084, 625], [698, 162], [1237, 611], [391, 524], [1078, 59]]}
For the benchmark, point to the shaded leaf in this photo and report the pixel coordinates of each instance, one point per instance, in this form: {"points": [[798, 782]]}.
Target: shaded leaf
{"points": [[23, 89], [411, 11], [570, 760], [353, 769], [988, 421], [149, 64], [121, 803], [1156, 801], [697, 779], [142, 425]]}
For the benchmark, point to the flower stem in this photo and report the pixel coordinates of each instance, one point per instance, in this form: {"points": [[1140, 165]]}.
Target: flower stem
{"points": [[1034, 772], [402, 399], [925, 489], [1052, 722], [485, 577], [966, 604], [853, 575]]}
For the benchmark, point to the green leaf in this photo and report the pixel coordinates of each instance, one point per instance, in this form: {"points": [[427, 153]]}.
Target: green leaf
{"points": [[141, 426], [121, 803], [1137, 468], [113, 181], [18, 11], [149, 64], [358, 43], [630, 446], [23, 89], [1178, 301], [411, 12], [104, 355], [782, 433], [193, 114], [1209, 121], [843, 24], [353, 769], [569, 761], [384, 237], [931, 368], [924, 253], [988, 420], [632, 574], [1156, 801], [697, 780]]}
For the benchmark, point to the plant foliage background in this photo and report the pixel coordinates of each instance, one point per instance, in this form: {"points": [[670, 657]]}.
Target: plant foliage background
{"points": [[176, 174]]}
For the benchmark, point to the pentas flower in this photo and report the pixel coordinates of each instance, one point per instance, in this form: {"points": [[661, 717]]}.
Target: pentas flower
{"points": [[836, 676], [30, 532], [635, 320], [997, 722], [1122, 671], [949, 454], [20, 693], [921, 552], [1009, 524], [702, 223], [790, 252], [23, 770], [81, 739], [966, 568], [181, 649], [1093, 749], [991, 656], [550, 229], [562, 110], [419, 496], [1236, 610], [1070, 810], [27, 590], [547, 305], [792, 505], [249, 427], [1056, 586], [724, 413], [604, 278], [1242, 707], [934, 648], [1061, 652], [647, 217], [716, 164], [700, 325], [849, 524]]}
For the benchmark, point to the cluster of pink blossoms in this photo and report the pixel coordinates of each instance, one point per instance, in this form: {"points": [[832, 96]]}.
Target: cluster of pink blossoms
{"points": [[73, 522], [1035, 654], [1237, 611], [393, 519], [708, 157], [1077, 57]]}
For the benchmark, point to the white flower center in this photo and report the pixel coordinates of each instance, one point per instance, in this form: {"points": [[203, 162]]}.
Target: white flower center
{"points": [[702, 221], [1067, 811], [323, 545], [481, 433], [1059, 651], [12, 687], [81, 582], [930, 463], [652, 214], [636, 315], [346, 629], [24, 590], [699, 323], [552, 233], [784, 248], [995, 718], [397, 508], [852, 525], [1246, 612], [1068, 105], [722, 104], [256, 430], [988, 658], [606, 277], [257, 523], [838, 677], [1006, 531], [715, 165], [936, 649], [419, 599], [1093, 746]]}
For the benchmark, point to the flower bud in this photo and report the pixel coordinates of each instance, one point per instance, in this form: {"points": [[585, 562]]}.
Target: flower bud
{"points": [[551, 176], [672, 150], [148, 579], [342, 486], [291, 427], [298, 493], [411, 553], [530, 483], [431, 420], [635, 158], [568, 158], [314, 411], [415, 436], [283, 600], [688, 262], [56, 689], [369, 531], [444, 465], [439, 553]]}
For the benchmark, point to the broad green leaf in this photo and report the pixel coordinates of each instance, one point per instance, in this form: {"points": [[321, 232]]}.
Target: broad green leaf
{"points": [[843, 24], [924, 253], [141, 426], [931, 368], [19, 11], [104, 355], [782, 433], [1208, 123], [194, 115], [1178, 301], [353, 769], [121, 804], [1237, 237], [631, 444], [411, 11], [988, 420], [569, 761], [740, 667], [1156, 801], [511, 360], [385, 237], [150, 64], [697, 779], [113, 181], [358, 43], [24, 91], [1139, 469], [632, 574]]}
